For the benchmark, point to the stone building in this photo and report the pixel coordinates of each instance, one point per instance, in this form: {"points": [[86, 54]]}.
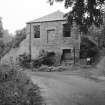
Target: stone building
{"points": [[52, 33]]}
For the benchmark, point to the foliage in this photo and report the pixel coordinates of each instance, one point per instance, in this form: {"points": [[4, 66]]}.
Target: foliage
{"points": [[88, 49], [5, 48], [47, 59], [2, 47], [43, 59], [17, 89], [24, 60], [20, 36], [101, 38], [84, 12]]}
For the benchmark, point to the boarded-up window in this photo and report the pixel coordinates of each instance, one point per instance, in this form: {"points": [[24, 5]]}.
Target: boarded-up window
{"points": [[51, 36], [36, 30], [66, 30]]}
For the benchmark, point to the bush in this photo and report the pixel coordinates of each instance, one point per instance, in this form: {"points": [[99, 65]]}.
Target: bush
{"points": [[88, 49], [24, 60], [47, 59], [17, 89], [43, 59]]}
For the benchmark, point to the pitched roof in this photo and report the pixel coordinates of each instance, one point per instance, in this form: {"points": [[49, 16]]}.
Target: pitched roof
{"points": [[58, 15]]}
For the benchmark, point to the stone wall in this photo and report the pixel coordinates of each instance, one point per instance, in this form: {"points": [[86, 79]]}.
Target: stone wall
{"points": [[15, 52]]}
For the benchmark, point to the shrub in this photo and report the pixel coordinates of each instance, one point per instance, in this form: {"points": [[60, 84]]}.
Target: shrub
{"points": [[24, 60], [88, 49], [17, 89], [47, 59], [43, 59]]}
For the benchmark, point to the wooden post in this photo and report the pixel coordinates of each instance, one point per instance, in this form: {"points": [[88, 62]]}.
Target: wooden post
{"points": [[74, 55]]}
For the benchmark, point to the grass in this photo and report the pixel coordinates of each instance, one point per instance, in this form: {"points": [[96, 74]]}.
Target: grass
{"points": [[17, 89]]}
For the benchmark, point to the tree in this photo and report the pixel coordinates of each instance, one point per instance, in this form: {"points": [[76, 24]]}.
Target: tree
{"points": [[84, 12], [88, 48], [2, 47], [20, 36]]}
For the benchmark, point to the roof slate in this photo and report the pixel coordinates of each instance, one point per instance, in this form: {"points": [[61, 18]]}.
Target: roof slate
{"points": [[58, 15]]}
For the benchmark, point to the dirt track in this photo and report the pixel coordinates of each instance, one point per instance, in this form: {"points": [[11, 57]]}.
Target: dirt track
{"points": [[61, 89]]}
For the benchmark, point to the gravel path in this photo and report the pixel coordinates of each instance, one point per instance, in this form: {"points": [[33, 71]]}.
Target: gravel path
{"points": [[62, 89]]}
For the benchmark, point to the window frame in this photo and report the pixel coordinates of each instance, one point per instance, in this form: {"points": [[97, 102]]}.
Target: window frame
{"points": [[36, 32], [66, 30], [65, 52]]}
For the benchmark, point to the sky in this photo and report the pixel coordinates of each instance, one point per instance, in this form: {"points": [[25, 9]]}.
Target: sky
{"points": [[16, 13]]}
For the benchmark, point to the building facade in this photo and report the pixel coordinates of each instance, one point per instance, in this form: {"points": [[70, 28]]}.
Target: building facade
{"points": [[52, 33]]}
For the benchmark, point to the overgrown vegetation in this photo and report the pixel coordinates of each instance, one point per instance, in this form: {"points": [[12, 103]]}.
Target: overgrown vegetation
{"points": [[24, 60], [47, 59], [43, 59], [20, 36], [2, 47], [5, 48], [84, 13], [17, 89], [88, 49]]}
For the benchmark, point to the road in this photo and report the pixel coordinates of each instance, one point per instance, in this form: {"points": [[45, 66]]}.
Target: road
{"points": [[62, 89]]}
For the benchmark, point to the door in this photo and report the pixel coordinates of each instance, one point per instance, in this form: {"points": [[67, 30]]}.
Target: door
{"points": [[66, 54]]}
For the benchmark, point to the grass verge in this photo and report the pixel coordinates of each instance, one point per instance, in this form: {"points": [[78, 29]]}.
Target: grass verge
{"points": [[17, 89]]}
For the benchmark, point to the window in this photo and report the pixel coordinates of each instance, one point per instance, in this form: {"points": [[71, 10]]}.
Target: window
{"points": [[36, 30], [66, 30]]}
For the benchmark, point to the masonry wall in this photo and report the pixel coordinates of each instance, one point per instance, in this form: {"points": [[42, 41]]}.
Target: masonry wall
{"points": [[60, 41]]}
